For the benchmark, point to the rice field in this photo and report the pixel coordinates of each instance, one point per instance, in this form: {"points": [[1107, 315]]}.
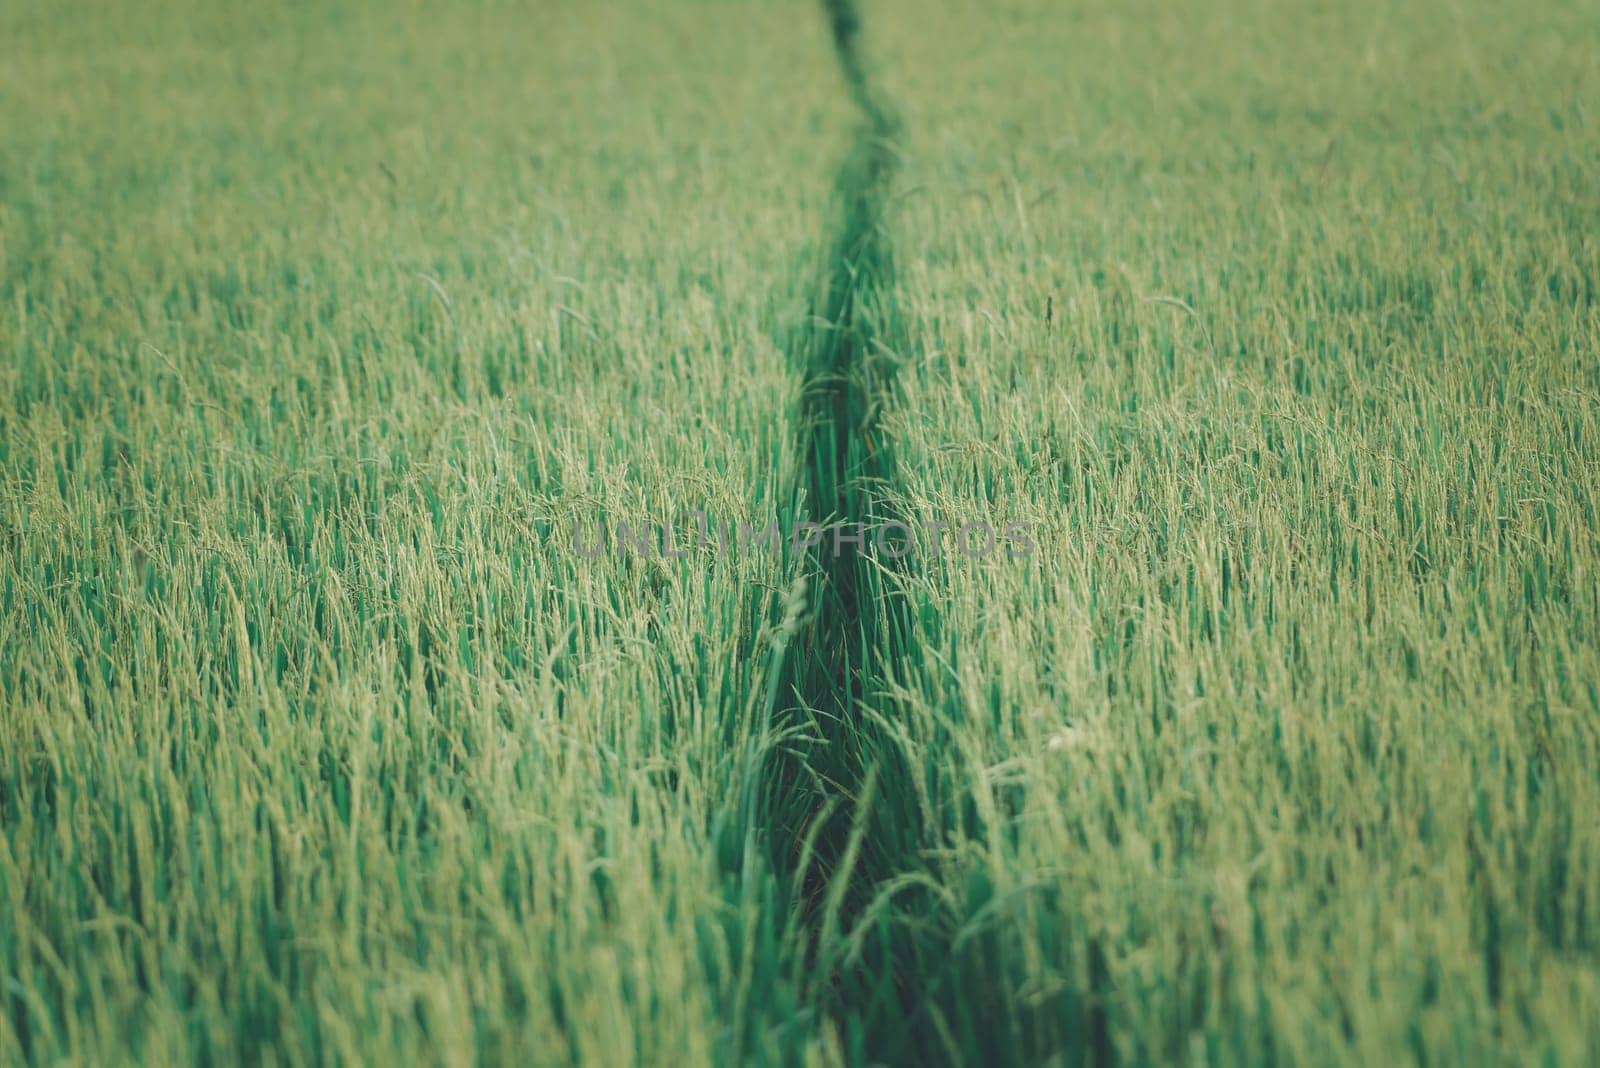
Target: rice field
{"points": [[445, 458]]}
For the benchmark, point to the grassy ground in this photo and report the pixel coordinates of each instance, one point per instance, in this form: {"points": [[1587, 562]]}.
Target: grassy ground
{"points": [[319, 742]]}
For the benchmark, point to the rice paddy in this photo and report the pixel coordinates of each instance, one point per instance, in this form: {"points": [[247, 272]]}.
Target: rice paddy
{"points": [[369, 690]]}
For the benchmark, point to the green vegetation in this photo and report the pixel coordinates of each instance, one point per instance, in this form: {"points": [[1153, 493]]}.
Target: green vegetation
{"points": [[322, 325]]}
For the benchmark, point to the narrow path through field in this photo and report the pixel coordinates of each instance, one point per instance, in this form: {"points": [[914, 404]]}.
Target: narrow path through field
{"points": [[901, 953], [840, 811]]}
